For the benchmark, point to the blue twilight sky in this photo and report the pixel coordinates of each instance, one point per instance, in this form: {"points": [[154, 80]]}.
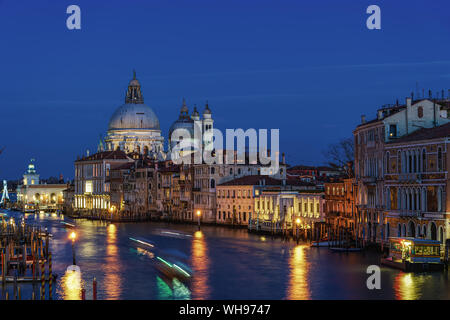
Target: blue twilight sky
{"points": [[309, 68]]}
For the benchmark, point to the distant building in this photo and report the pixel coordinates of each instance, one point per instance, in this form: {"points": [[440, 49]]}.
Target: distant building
{"points": [[31, 194], [92, 184], [340, 209], [277, 210]]}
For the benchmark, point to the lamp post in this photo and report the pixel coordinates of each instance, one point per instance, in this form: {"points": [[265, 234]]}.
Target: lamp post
{"points": [[297, 223], [198, 216], [73, 236]]}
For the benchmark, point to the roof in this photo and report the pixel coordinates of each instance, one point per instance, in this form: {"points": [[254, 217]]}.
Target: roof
{"points": [[113, 155], [56, 186], [123, 166], [169, 169], [425, 134], [262, 180]]}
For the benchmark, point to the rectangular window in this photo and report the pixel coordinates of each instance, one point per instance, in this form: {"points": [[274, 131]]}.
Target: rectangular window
{"points": [[392, 130]]}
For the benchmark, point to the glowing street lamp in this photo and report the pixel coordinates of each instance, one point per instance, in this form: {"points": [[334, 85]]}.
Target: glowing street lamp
{"points": [[199, 213], [73, 236]]}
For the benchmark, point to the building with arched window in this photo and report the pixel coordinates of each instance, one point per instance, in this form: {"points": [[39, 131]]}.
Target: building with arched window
{"points": [[418, 196], [398, 170]]}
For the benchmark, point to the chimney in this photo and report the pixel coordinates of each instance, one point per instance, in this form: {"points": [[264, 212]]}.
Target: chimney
{"points": [[380, 114], [283, 158], [363, 118], [408, 102]]}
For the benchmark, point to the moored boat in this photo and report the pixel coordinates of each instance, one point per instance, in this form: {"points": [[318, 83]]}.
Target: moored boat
{"points": [[413, 254]]}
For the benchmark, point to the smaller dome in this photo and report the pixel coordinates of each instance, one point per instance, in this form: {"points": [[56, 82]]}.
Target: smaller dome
{"points": [[185, 123]]}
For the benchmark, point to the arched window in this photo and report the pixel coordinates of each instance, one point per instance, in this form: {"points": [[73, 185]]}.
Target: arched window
{"points": [[439, 199], [440, 166], [424, 161], [433, 231], [399, 162], [424, 231], [404, 230], [387, 162], [419, 112]]}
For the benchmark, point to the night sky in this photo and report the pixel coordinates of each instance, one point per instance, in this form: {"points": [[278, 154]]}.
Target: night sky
{"points": [[309, 68]]}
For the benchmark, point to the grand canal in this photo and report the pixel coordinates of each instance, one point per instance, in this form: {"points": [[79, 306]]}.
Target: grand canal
{"points": [[226, 264]]}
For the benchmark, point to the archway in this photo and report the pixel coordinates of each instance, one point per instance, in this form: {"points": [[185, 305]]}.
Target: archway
{"points": [[411, 229], [433, 231], [424, 231], [441, 234], [404, 230], [399, 231]]}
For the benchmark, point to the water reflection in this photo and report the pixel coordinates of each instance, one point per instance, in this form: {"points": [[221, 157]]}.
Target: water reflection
{"points": [[298, 288], [200, 267], [71, 284], [113, 280], [410, 286]]}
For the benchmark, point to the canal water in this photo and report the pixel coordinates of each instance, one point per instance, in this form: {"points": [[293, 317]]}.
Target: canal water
{"points": [[225, 263]]}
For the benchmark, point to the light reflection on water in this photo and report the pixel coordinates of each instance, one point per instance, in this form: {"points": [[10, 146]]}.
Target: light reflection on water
{"points": [[113, 280], [409, 286], [200, 267], [71, 284], [298, 288]]}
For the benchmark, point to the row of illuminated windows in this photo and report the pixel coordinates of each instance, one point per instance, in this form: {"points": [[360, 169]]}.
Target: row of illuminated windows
{"points": [[237, 216], [234, 193]]}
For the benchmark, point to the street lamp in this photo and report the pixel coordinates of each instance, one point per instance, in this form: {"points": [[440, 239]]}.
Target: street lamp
{"points": [[198, 215], [72, 237], [297, 223], [111, 210]]}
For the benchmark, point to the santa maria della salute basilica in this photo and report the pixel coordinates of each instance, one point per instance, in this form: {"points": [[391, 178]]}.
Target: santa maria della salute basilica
{"points": [[134, 126]]}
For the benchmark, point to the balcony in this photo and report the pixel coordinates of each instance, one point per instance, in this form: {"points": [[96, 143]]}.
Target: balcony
{"points": [[368, 180], [410, 178]]}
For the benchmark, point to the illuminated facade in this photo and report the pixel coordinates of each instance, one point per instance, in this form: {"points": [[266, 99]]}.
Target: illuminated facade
{"points": [[235, 199], [278, 209], [340, 209], [32, 194], [92, 185]]}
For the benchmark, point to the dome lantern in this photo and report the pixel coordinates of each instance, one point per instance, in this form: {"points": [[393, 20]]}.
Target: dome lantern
{"points": [[134, 93]]}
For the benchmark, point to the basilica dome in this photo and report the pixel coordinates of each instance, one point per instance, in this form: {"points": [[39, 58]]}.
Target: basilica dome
{"points": [[134, 116]]}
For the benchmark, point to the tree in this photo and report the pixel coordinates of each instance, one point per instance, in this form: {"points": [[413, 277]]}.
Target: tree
{"points": [[340, 156]]}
